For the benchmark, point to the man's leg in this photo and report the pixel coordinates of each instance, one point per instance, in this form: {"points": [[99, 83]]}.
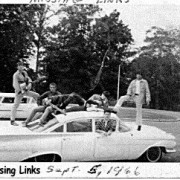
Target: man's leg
{"points": [[73, 97], [119, 103], [33, 113], [75, 108], [138, 113], [47, 111], [32, 94], [17, 100]]}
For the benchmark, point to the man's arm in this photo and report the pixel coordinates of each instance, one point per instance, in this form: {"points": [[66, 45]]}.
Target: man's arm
{"points": [[16, 83], [148, 95], [93, 98], [100, 131], [129, 90], [44, 95]]}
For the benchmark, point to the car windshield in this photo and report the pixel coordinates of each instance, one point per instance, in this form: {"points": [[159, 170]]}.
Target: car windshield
{"points": [[35, 127], [123, 127], [82, 125]]}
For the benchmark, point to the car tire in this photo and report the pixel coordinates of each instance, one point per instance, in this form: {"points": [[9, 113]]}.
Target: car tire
{"points": [[46, 158], [153, 154]]}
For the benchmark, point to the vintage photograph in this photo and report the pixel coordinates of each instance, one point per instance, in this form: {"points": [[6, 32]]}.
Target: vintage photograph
{"points": [[83, 82]]}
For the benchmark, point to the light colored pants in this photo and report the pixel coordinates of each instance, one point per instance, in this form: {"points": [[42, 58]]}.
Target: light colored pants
{"points": [[137, 100], [34, 112], [17, 101], [47, 111]]}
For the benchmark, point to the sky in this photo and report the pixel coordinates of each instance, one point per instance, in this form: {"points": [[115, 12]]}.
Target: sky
{"points": [[139, 15]]}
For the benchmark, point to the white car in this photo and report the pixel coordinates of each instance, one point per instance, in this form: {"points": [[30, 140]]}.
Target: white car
{"points": [[24, 109], [73, 137]]}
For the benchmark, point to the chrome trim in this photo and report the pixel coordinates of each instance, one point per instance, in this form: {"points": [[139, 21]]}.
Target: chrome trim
{"points": [[170, 150]]}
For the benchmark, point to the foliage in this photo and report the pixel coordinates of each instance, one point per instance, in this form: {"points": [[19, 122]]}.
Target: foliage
{"points": [[159, 60], [77, 46], [20, 27]]}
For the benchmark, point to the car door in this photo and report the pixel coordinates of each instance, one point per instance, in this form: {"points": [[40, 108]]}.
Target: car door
{"points": [[78, 142], [112, 147]]}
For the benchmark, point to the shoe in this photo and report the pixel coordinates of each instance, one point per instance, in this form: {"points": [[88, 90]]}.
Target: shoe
{"points": [[13, 123], [139, 128]]}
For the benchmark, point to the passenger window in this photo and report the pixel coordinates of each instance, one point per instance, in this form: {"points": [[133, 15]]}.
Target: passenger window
{"points": [[33, 101], [59, 129], [84, 125], [24, 100], [8, 100], [123, 127]]}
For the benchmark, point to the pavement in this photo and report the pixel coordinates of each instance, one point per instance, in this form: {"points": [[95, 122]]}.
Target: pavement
{"points": [[153, 115]]}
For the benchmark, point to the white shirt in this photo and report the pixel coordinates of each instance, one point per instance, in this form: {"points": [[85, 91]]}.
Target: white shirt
{"points": [[137, 87]]}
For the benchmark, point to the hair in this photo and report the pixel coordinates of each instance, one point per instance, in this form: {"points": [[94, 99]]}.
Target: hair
{"points": [[106, 93], [109, 110], [139, 72], [20, 64], [53, 84]]}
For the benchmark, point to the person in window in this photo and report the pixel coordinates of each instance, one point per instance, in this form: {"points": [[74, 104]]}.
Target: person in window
{"points": [[106, 126], [139, 92], [43, 102]]}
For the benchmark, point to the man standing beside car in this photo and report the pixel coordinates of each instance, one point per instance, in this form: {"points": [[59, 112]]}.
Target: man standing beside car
{"points": [[139, 92], [21, 77]]}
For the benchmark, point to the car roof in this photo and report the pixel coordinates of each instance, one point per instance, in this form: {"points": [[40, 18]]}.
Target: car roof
{"points": [[7, 94], [10, 95], [97, 113]]}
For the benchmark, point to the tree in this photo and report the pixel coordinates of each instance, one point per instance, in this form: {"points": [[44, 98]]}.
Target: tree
{"points": [[159, 60], [15, 42], [76, 48]]}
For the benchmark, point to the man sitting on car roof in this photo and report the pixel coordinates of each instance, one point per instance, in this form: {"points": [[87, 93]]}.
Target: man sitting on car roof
{"points": [[41, 108]]}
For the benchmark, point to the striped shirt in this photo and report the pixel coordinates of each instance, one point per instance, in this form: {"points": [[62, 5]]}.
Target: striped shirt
{"points": [[110, 125]]}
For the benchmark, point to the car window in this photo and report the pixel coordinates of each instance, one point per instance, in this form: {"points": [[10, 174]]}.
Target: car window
{"points": [[123, 127], [8, 100], [33, 101], [11, 100], [24, 100], [84, 125], [58, 129]]}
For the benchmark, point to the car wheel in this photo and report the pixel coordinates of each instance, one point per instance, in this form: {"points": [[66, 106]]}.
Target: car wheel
{"points": [[45, 158], [153, 154]]}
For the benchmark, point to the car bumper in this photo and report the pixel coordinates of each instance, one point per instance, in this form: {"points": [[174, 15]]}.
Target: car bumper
{"points": [[168, 150]]}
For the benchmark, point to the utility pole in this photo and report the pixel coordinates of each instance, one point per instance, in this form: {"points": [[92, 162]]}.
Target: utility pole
{"points": [[118, 84]]}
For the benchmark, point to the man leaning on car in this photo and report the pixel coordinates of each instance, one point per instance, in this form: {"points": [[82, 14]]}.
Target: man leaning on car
{"points": [[106, 126]]}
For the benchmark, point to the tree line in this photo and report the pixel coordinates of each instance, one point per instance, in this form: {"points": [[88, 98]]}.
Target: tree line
{"points": [[71, 52]]}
